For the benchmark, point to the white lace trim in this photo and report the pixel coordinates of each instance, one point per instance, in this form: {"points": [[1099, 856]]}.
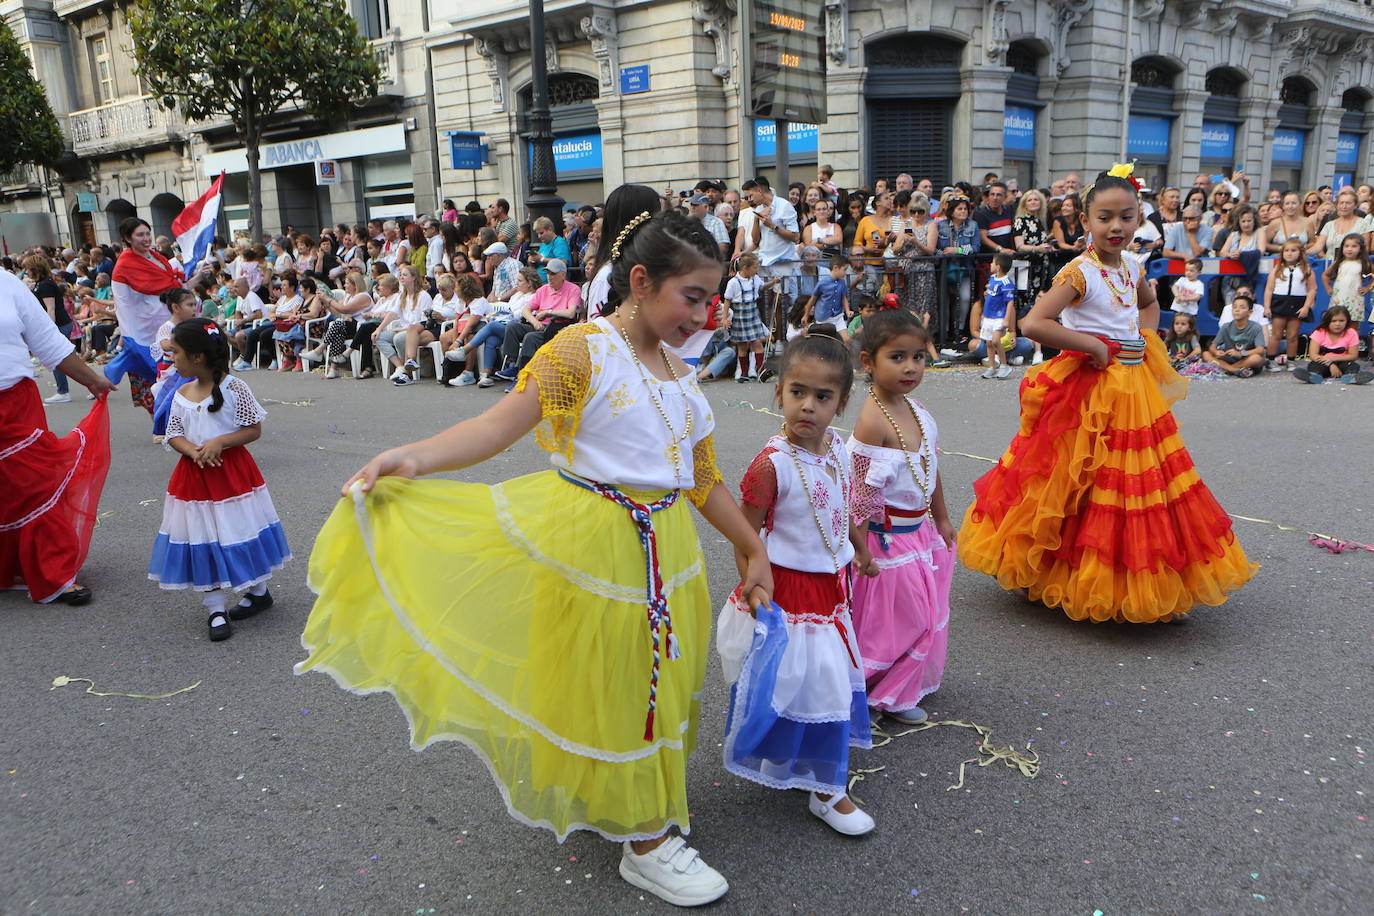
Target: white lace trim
{"points": [[797, 782], [22, 444], [476, 686], [627, 594], [57, 494], [236, 586], [902, 559], [891, 704]]}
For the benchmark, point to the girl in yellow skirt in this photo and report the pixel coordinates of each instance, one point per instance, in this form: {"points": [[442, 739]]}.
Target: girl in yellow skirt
{"points": [[1096, 507], [557, 624]]}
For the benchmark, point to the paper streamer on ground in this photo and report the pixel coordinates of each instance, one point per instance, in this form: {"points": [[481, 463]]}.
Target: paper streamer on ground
{"points": [[63, 680]]}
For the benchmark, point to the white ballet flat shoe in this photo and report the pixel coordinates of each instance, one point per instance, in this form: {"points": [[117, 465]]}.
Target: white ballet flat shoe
{"points": [[855, 823]]}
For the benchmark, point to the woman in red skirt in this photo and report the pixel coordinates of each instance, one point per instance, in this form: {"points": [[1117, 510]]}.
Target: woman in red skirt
{"points": [[51, 485]]}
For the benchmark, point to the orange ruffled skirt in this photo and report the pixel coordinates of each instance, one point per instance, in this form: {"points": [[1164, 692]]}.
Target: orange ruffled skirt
{"points": [[1096, 507]]}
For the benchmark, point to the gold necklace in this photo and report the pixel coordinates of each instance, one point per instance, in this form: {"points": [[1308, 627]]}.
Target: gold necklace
{"points": [[901, 440], [810, 501], [674, 450], [1118, 294]]}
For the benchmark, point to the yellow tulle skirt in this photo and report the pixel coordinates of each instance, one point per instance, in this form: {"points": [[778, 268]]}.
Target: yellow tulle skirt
{"points": [[1096, 507], [512, 618]]}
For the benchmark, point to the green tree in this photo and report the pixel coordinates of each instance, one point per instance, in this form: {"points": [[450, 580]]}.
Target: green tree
{"points": [[248, 60], [31, 132]]}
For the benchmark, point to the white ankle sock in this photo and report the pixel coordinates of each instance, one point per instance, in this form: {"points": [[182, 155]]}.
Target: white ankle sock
{"points": [[214, 602]]}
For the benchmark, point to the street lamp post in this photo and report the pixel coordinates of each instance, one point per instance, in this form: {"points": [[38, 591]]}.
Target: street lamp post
{"points": [[543, 199]]}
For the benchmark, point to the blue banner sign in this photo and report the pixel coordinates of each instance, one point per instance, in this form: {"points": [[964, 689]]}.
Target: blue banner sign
{"points": [[801, 138], [1218, 140], [1343, 180], [1148, 135], [1348, 149], [1018, 128], [575, 153], [1289, 146], [466, 150], [634, 79]]}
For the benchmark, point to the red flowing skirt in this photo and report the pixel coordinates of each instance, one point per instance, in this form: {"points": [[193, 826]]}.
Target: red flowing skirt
{"points": [[50, 494]]}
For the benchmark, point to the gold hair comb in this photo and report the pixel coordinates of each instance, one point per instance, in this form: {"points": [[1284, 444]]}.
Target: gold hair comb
{"points": [[625, 233]]}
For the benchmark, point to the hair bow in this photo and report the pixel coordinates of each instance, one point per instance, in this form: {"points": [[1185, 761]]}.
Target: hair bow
{"points": [[212, 329]]}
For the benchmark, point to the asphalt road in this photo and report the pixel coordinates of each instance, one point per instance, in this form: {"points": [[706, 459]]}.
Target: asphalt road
{"points": [[1218, 766]]}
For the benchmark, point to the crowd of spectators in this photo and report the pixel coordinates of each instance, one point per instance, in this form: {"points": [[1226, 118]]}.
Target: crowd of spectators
{"points": [[485, 289]]}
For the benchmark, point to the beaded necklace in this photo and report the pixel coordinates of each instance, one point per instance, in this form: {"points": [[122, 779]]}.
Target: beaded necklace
{"points": [[674, 450], [1118, 295], [901, 440], [832, 548]]}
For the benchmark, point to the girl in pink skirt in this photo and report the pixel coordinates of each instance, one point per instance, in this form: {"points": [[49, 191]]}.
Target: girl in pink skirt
{"points": [[902, 616]]}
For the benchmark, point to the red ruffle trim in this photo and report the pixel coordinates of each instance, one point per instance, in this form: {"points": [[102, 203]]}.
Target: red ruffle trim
{"points": [[1145, 437], [1190, 529], [1146, 483], [237, 475], [1032, 451]]}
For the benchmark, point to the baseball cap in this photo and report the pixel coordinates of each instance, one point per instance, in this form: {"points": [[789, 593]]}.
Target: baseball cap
{"points": [[699, 199], [496, 248], [556, 266]]}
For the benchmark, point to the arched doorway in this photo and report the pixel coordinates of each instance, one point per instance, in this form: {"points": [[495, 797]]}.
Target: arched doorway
{"points": [[1350, 142], [577, 135], [116, 211], [1290, 137], [1149, 132], [1022, 115], [1221, 121], [910, 94], [83, 227], [162, 210]]}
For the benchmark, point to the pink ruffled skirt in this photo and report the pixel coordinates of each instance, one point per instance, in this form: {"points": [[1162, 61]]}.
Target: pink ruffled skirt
{"points": [[901, 617]]}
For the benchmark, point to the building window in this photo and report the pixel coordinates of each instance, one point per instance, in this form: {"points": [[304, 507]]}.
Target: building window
{"points": [[102, 69], [374, 17], [1152, 73], [1224, 83], [1023, 60], [1295, 91], [907, 52]]}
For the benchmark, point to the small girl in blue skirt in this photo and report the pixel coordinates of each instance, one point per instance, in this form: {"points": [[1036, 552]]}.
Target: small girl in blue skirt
{"points": [[798, 702]]}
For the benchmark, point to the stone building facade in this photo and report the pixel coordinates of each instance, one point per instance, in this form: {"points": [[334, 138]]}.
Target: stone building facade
{"points": [[652, 91], [130, 156], [941, 89]]}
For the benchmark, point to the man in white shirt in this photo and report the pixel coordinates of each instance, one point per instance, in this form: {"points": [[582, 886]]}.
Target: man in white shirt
{"points": [[701, 209], [434, 254], [391, 243], [248, 307], [775, 230]]}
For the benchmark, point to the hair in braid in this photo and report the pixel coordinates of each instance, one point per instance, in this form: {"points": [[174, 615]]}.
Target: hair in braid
{"points": [[667, 245], [203, 337]]}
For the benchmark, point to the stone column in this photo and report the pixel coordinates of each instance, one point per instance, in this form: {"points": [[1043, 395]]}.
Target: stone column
{"points": [[1185, 146], [346, 200], [843, 138], [979, 116], [1319, 160], [1252, 143]]}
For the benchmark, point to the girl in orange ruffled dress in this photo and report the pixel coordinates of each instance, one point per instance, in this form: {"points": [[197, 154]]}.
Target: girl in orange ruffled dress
{"points": [[1096, 507]]}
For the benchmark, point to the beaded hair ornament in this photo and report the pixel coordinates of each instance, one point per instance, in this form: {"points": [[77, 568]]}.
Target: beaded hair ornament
{"points": [[628, 231]]}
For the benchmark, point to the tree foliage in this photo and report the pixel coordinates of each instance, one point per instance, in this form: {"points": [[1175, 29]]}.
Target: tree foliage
{"points": [[249, 60], [32, 134]]}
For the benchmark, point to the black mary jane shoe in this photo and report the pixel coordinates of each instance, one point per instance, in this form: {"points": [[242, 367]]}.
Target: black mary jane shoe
{"points": [[257, 604], [219, 631], [76, 596]]}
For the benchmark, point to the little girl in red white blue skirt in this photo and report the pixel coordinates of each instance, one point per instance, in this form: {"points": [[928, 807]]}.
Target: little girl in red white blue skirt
{"points": [[219, 528]]}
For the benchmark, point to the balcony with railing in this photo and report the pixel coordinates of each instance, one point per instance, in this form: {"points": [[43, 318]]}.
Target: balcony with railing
{"points": [[20, 180], [125, 124]]}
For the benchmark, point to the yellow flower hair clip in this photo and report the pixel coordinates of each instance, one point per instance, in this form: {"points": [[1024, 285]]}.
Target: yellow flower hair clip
{"points": [[1126, 170]]}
